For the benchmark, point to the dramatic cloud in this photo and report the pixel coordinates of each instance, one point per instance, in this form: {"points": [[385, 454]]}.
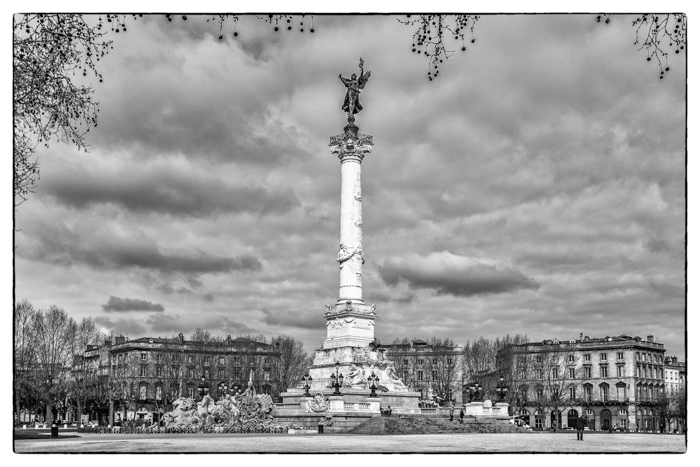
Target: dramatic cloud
{"points": [[294, 319], [536, 186], [456, 275], [119, 305], [122, 325]]}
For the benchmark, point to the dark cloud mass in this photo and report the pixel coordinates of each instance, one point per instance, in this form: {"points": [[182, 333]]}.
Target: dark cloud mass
{"points": [[455, 275], [539, 181], [120, 305], [167, 191]]}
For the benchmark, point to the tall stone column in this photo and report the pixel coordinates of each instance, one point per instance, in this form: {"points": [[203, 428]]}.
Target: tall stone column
{"points": [[351, 150]]}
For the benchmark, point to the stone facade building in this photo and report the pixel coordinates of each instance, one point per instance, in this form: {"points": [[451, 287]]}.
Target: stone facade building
{"points": [[617, 382], [140, 378], [423, 366], [676, 403]]}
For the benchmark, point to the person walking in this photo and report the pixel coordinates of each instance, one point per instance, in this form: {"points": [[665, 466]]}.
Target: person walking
{"points": [[580, 425], [452, 410], [461, 415]]}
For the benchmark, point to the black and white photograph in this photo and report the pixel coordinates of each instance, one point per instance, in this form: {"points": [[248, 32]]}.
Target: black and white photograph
{"points": [[347, 233]]}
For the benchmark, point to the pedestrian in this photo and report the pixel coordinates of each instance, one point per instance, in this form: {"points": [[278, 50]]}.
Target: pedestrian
{"points": [[388, 410], [461, 415], [580, 425], [452, 410]]}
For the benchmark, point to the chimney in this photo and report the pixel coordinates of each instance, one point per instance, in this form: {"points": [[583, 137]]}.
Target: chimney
{"points": [[650, 338], [675, 359]]}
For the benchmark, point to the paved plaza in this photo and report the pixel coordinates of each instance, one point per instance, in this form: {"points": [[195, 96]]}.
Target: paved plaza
{"points": [[445, 443]]}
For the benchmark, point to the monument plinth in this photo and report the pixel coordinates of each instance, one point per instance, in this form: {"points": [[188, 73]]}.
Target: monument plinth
{"points": [[350, 321]]}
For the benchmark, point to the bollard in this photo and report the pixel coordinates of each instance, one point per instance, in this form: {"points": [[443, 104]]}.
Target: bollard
{"points": [[24, 427], [54, 430], [65, 425]]}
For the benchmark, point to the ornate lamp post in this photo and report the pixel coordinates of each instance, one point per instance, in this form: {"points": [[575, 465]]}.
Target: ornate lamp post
{"points": [[203, 387], [307, 384], [475, 391], [373, 381], [336, 380], [501, 389], [221, 389]]}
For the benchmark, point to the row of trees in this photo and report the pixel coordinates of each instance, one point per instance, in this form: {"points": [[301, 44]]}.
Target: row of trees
{"points": [[44, 345], [53, 372]]}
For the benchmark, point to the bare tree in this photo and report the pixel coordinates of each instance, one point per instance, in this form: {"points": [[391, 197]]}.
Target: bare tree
{"points": [[293, 361], [24, 352], [53, 328]]}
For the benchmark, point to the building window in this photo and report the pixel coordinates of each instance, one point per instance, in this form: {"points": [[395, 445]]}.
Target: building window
{"points": [[420, 375], [159, 392], [572, 359], [142, 370], [189, 359], [435, 375], [621, 392], [405, 375], [644, 357], [420, 361], [538, 359], [221, 373], [572, 373], [435, 361], [143, 356], [604, 393], [221, 360], [522, 374], [572, 393], [587, 357], [159, 358], [236, 374], [159, 371], [539, 394], [555, 373], [539, 374], [176, 357], [623, 423], [587, 372], [449, 360], [176, 370], [266, 375], [405, 362], [587, 393], [190, 373], [620, 371], [190, 391], [603, 357], [620, 355], [555, 394], [589, 414], [207, 360], [603, 371], [206, 373], [143, 389]]}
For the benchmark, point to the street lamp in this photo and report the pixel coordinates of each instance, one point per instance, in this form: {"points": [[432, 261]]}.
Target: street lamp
{"points": [[307, 383], [373, 380], [475, 391], [222, 389], [501, 389], [203, 387], [336, 380]]}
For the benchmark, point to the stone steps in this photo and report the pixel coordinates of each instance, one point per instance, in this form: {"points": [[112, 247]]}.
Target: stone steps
{"points": [[417, 424]]}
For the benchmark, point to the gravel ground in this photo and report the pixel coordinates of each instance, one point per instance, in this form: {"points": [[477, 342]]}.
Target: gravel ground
{"points": [[453, 443]]}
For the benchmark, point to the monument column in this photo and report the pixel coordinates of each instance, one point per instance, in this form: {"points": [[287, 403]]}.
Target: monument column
{"points": [[351, 148]]}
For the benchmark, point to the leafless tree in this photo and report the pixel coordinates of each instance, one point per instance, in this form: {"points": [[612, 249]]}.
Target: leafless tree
{"points": [[24, 352], [293, 361]]}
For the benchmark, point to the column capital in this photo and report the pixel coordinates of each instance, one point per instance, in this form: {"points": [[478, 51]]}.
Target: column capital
{"points": [[351, 145]]}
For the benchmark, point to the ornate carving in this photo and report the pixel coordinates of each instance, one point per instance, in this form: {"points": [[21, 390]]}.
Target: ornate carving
{"points": [[335, 324], [318, 404], [373, 308], [329, 309], [348, 305], [356, 378]]}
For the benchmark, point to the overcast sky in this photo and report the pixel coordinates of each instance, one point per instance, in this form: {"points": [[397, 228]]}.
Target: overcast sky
{"points": [[537, 186]]}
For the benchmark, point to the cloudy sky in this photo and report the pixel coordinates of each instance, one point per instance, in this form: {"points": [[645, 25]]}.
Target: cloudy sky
{"points": [[536, 186]]}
